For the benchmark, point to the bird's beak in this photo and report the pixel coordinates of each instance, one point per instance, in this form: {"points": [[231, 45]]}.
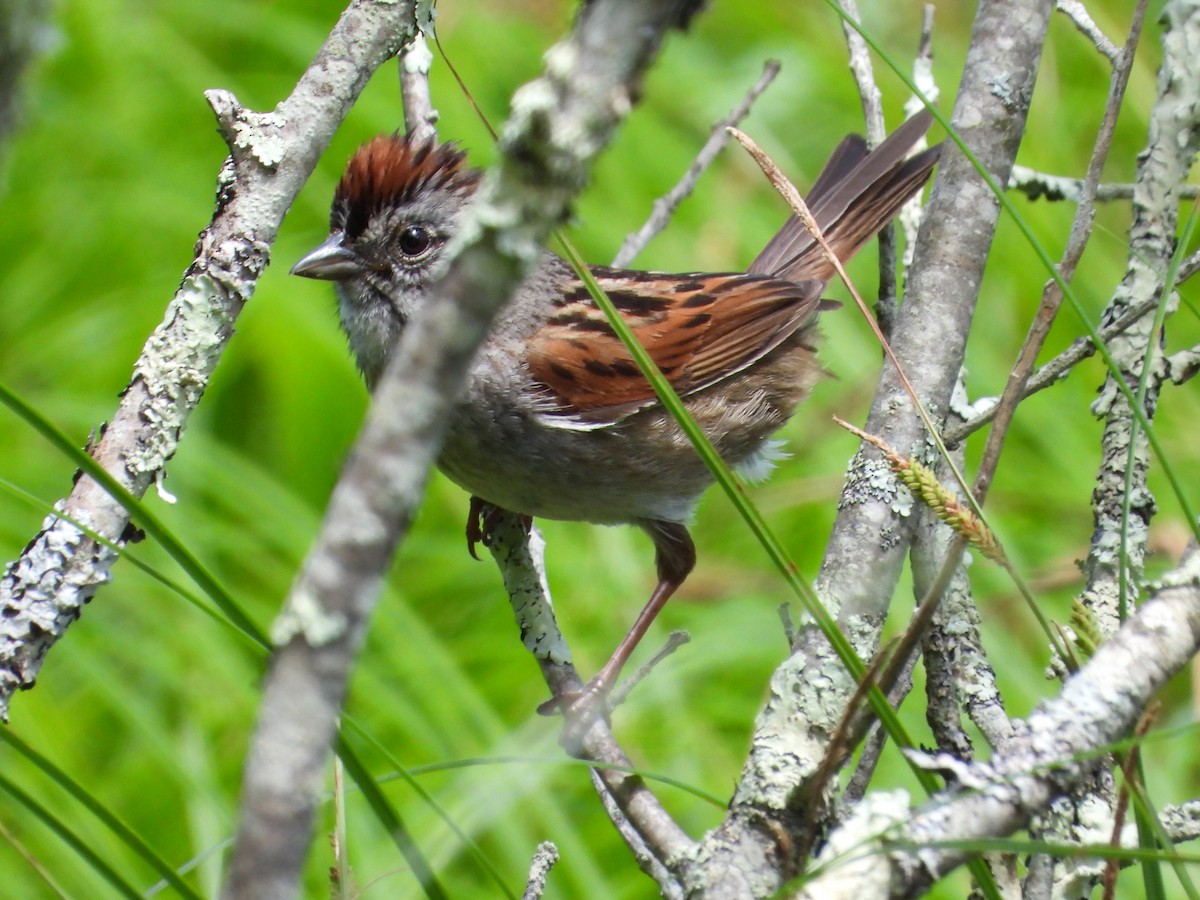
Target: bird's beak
{"points": [[330, 262]]}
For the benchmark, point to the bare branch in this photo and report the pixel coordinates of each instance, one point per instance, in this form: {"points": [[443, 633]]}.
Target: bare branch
{"points": [[675, 640]]}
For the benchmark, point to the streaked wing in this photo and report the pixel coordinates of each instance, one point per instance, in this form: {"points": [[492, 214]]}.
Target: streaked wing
{"points": [[698, 329]]}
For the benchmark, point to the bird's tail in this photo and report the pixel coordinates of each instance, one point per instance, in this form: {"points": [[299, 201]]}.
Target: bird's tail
{"points": [[856, 194]]}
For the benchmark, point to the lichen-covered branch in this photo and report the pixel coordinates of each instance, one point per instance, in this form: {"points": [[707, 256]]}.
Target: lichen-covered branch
{"points": [[420, 117], [1082, 19], [271, 156], [1114, 564], [1044, 186], [895, 848], [646, 827]]}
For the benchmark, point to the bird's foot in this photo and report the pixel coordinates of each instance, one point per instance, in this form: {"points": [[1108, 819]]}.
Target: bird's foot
{"points": [[584, 705], [481, 521]]}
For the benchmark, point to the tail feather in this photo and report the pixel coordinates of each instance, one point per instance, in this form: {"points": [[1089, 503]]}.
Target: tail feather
{"points": [[845, 158], [854, 197]]}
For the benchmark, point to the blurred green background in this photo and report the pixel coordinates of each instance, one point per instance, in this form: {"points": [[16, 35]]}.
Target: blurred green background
{"points": [[148, 703]]}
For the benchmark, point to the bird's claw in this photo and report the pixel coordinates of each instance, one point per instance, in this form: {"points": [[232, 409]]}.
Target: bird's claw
{"points": [[476, 528], [481, 522]]}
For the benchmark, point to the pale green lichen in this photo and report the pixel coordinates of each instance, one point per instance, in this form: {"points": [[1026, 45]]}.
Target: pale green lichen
{"points": [[305, 617], [174, 368], [263, 135]]}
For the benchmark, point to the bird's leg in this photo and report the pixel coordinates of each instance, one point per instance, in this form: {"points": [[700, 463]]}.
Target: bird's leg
{"points": [[674, 557]]}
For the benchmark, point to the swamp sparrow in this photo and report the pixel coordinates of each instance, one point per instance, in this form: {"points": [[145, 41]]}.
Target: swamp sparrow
{"points": [[555, 419]]}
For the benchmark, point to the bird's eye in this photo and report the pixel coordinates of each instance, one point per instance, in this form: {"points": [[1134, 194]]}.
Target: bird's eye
{"points": [[414, 240]]}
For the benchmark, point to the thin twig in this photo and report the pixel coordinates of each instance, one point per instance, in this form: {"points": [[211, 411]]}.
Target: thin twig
{"points": [[543, 861], [675, 640], [1129, 770], [666, 205], [872, 103], [1082, 20], [420, 117], [1043, 186], [864, 75], [648, 861], [1057, 368], [909, 219], [789, 626], [341, 873], [923, 64]]}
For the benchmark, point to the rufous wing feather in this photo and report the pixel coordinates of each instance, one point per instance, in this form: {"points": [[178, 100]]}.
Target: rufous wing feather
{"points": [[698, 329]]}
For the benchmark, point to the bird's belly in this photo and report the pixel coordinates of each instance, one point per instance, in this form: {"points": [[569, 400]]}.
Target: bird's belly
{"points": [[605, 476]]}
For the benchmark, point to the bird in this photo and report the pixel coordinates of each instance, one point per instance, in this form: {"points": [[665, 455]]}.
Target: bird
{"points": [[554, 419]]}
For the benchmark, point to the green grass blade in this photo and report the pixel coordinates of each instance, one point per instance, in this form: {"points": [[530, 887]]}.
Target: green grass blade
{"points": [[390, 819], [407, 776], [68, 836], [122, 831], [132, 559]]}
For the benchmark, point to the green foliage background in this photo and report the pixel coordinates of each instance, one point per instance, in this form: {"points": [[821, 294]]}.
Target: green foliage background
{"points": [[148, 703]]}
